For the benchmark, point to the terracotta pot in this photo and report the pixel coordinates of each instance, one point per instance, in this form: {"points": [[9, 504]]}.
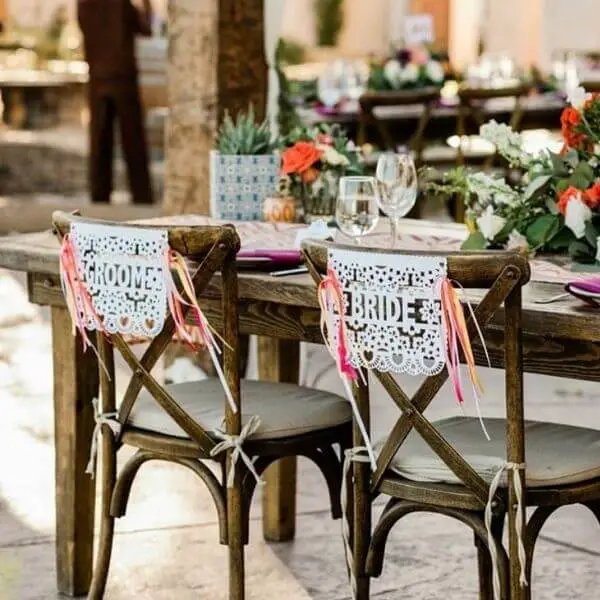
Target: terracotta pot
{"points": [[280, 210]]}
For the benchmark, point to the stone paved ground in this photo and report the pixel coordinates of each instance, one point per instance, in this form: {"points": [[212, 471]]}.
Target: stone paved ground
{"points": [[166, 547]]}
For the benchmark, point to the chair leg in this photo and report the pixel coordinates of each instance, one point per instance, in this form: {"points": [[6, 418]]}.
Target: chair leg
{"points": [[484, 561], [484, 564], [235, 534], [107, 522]]}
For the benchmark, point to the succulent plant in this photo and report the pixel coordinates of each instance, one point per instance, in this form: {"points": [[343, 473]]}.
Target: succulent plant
{"points": [[244, 136]]}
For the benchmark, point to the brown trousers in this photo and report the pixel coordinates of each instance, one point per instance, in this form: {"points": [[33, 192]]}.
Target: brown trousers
{"points": [[110, 101]]}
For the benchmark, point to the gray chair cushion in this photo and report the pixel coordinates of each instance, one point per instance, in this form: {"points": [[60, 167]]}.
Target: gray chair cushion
{"points": [[284, 409], [554, 454]]}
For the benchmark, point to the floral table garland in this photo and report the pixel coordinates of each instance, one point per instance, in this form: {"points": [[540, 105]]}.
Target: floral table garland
{"points": [[556, 206]]}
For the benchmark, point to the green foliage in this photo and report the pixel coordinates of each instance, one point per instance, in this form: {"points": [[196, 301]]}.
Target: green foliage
{"points": [[244, 136], [475, 241], [287, 117], [329, 15], [289, 52], [542, 230], [582, 176]]}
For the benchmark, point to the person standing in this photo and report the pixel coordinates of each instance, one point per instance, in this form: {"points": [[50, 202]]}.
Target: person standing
{"points": [[109, 28]]}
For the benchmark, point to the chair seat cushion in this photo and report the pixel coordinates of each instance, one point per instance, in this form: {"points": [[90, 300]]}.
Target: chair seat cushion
{"points": [[284, 409], [554, 454]]}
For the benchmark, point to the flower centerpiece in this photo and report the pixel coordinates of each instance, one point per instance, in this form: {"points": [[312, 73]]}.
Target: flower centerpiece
{"points": [[556, 205], [313, 160], [244, 168], [409, 68]]}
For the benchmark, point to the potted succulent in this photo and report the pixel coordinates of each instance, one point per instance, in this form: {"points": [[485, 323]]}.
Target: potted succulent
{"points": [[244, 169]]}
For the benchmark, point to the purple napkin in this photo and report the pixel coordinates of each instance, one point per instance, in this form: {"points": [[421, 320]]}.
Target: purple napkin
{"points": [[274, 257], [587, 290]]}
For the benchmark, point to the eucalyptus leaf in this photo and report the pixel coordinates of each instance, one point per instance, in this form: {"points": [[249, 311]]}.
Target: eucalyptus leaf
{"points": [[571, 157], [552, 206], [558, 165], [535, 185], [562, 185], [561, 240], [582, 252], [475, 241], [543, 229], [582, 176], [591, 235]]}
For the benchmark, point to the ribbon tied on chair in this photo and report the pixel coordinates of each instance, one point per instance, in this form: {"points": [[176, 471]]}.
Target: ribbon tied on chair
{"points": [[111, 421], [235, 443]]}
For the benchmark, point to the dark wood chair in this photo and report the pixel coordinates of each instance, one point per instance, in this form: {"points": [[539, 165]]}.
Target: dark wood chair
{"points": [[177, 423], [425, 466], [424, 99]]}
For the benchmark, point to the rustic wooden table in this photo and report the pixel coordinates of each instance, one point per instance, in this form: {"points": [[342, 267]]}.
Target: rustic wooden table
{"points": [[561, 339]]}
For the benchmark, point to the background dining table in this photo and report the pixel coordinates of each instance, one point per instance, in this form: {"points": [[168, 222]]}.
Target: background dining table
{"points": [[561, 338]]}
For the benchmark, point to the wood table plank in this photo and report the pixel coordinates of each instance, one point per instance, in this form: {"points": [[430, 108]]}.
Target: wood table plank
{"points": [[75, 385]]}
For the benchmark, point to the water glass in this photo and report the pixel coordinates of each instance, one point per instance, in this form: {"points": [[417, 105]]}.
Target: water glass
{"points": [[397, 187], [357, 210]]}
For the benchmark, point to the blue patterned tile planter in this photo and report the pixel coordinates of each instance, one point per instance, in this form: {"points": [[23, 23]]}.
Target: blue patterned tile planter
{"points": [[240, 184]]}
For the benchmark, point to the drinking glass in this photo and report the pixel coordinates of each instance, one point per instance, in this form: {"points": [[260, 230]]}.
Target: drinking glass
{"points": [[396, 179], [356, 210], [329, 88]]}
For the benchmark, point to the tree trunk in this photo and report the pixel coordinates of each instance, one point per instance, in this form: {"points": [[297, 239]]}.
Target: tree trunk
{"points": [[216, 63]]}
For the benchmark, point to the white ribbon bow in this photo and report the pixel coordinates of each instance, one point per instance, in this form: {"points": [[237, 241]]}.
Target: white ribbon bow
{"points": [[235, 442], [351, 455], [515, 468], [100, 418]]}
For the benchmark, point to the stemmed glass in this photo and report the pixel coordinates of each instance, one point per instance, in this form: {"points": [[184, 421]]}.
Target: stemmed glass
{"points": [[396, 178], [357, 212]]}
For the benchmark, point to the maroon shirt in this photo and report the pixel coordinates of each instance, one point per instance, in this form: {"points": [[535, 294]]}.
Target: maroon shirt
{"points": [[109, 28]]}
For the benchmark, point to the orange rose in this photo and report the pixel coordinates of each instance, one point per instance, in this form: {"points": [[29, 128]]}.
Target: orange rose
{"points": [[563, 199], [300, 157], [570, 119], [591, 196]]}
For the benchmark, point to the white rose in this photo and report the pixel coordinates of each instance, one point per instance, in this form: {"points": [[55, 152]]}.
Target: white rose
{"points": [[410, 73], [391, 71], [334, 158], [490, 224], [517, 241], [435, 71], [577, 215], [577, 96]]}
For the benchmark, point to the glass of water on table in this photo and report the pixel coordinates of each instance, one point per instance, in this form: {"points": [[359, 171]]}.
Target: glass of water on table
{"points": [[357, 209], [397, 187]]}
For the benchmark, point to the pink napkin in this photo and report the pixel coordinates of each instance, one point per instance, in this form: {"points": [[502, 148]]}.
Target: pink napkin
{"points": [[273, 258], [587, 290]]}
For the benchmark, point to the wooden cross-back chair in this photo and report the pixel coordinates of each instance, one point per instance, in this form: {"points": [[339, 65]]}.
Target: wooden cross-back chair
{"points": [[177, 423], [370, 101], [561, 465]]}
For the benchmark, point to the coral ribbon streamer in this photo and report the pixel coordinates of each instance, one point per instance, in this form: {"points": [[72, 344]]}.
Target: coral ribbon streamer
{"points": [[455, 327], [175, 263], [78, 300], [331, 299]]}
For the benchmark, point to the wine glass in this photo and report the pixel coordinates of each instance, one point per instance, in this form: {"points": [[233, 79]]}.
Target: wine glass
{"points": [[396, 179], [357, 212], [328, 88]]}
